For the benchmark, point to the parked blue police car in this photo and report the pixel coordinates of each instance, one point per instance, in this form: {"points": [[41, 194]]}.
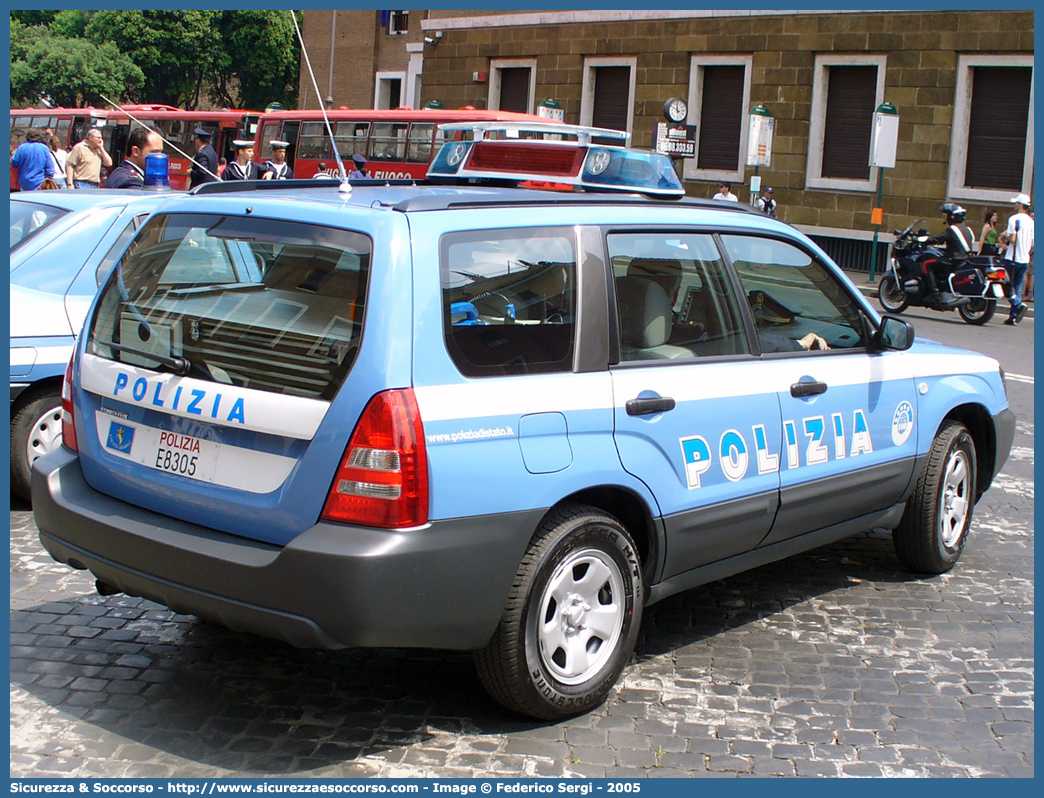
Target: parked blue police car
{"points": [[478, 417], [62, 244]]}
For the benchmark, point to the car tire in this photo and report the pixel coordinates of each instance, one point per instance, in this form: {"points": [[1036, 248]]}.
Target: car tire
{"points": [[891, 296], [571, 619], [934, 527], [36, 429]]}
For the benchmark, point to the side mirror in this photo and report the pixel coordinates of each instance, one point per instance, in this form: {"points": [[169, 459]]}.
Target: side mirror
{"points": [[894, 334]]}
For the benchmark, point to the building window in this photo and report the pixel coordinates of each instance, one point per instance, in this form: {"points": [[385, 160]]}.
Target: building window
{"points": [[512, 85], [389, 90], [399, 22], [991, 151], [719, 99], [608, 93], [846, 91]]}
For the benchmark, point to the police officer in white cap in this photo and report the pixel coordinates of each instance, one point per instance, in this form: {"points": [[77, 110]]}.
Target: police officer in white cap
{"points": [[277, 165], [244, 167], [205, 164]]}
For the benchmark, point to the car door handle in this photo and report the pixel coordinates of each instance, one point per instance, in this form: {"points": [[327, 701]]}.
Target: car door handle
{"points": [[813, 388], [646, 407]]}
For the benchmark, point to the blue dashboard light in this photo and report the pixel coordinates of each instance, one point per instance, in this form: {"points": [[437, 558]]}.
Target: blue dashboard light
{"points": [[157, 172]]}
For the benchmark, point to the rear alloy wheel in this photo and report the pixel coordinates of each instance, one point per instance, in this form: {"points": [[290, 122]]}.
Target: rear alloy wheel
{"points": [[36, 429], [571, 619], [891, 295], [978, 311], [934, 528]]}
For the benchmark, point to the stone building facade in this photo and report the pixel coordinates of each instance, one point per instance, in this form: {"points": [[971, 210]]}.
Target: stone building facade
{"points": [[961, 81]]}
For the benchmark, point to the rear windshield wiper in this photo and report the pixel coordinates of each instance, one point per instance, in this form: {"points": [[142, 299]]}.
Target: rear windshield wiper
{"points": [[179, 365]]}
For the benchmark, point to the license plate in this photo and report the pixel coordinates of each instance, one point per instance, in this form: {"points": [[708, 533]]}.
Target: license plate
{"points": [[998, 289], [174, 453]]}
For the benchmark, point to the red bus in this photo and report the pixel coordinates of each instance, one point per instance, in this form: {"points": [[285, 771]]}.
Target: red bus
{"points": [[174, 124], [397, 144]]}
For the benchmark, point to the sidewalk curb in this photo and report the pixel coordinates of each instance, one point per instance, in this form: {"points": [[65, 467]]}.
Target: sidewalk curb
{"points": [[861, 280]]}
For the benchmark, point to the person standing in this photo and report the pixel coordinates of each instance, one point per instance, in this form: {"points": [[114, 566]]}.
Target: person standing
{"points": [[205, 164], [988, 239], [359, 172], [1018, 242], [277, 164], [244, 167], [322, 173], [767, 203], [84, 164], [60, 157], [131, 171], [33, 160], [1027, 285], [725, 193]]}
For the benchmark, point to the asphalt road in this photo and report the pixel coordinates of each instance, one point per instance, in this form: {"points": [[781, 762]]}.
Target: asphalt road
{"points": [[830, 663]]}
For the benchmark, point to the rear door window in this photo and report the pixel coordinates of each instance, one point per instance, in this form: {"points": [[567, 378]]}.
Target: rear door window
{"points": [[28, 219], [270, 305], [509, 300], [673, 296]]}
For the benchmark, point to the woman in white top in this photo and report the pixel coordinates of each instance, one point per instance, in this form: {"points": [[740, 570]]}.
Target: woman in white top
{"points": [[59, 156]]}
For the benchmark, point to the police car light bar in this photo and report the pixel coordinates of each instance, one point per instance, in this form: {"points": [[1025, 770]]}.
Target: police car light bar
{"points": [[538, 152], [513, 130]]}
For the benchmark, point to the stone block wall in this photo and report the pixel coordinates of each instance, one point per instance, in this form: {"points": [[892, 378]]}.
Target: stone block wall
{"points": [[922, 50]]}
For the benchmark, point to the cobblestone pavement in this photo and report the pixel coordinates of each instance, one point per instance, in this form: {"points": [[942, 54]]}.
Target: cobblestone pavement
{"points": [[829, 663]]}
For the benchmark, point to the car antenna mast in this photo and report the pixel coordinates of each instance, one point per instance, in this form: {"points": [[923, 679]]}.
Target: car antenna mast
{"points": [[346, 187]]}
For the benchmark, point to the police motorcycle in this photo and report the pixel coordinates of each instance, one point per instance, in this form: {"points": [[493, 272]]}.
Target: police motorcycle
{"points": [[972, 289]]}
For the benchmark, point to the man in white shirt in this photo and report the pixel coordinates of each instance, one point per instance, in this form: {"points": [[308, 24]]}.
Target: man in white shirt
{"points": [[1018, 239], [725, 193]]}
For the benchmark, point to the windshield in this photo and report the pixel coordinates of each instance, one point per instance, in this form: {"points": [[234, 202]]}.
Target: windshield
{"points": [[274, 306], [29, 218]]}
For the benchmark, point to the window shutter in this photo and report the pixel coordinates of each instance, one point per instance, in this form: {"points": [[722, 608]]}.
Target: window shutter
{"points": [[851, 102], [514, 89], [610, 97], [721, 118], [997, 127]]}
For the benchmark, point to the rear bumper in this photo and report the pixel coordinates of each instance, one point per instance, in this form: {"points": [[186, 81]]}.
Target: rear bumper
{"points": [[440, 586]]}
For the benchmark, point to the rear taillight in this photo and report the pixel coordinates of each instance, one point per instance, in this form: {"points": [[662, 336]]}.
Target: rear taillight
{"points": [[996, 273], [68, 427], [383, 477]]}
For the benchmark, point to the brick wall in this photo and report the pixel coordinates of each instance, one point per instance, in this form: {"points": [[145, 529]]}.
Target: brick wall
{"points": [[921, 73]]}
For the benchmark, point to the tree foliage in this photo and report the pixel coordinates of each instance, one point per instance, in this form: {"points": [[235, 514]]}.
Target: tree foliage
{"points": [[242, 59], [174, 49], [68, 72], [259, 61]]}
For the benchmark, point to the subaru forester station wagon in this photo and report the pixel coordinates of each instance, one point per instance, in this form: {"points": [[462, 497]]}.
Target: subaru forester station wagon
{"points": [[464, 414]]}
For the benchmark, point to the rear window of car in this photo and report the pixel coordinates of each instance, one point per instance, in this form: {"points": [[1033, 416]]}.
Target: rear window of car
{"points": [[270, 305], [29, 218]]}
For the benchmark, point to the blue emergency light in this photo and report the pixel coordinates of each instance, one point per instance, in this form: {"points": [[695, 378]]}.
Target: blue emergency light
{"points": [[157, 172], [555, 154]]}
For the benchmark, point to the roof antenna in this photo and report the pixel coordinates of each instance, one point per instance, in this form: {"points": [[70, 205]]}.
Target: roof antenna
{"points": [[345, 187], [166, 141]]}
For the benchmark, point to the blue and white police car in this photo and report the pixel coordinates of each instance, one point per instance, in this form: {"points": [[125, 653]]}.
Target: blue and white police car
{"points": [[469, 415], [62, 245]]}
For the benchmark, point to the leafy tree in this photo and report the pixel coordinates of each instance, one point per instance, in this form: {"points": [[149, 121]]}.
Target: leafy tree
{"points": [[175, 50], [244, 59], [259, 61], [73, 73], [69, 23], [34, 17]]}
